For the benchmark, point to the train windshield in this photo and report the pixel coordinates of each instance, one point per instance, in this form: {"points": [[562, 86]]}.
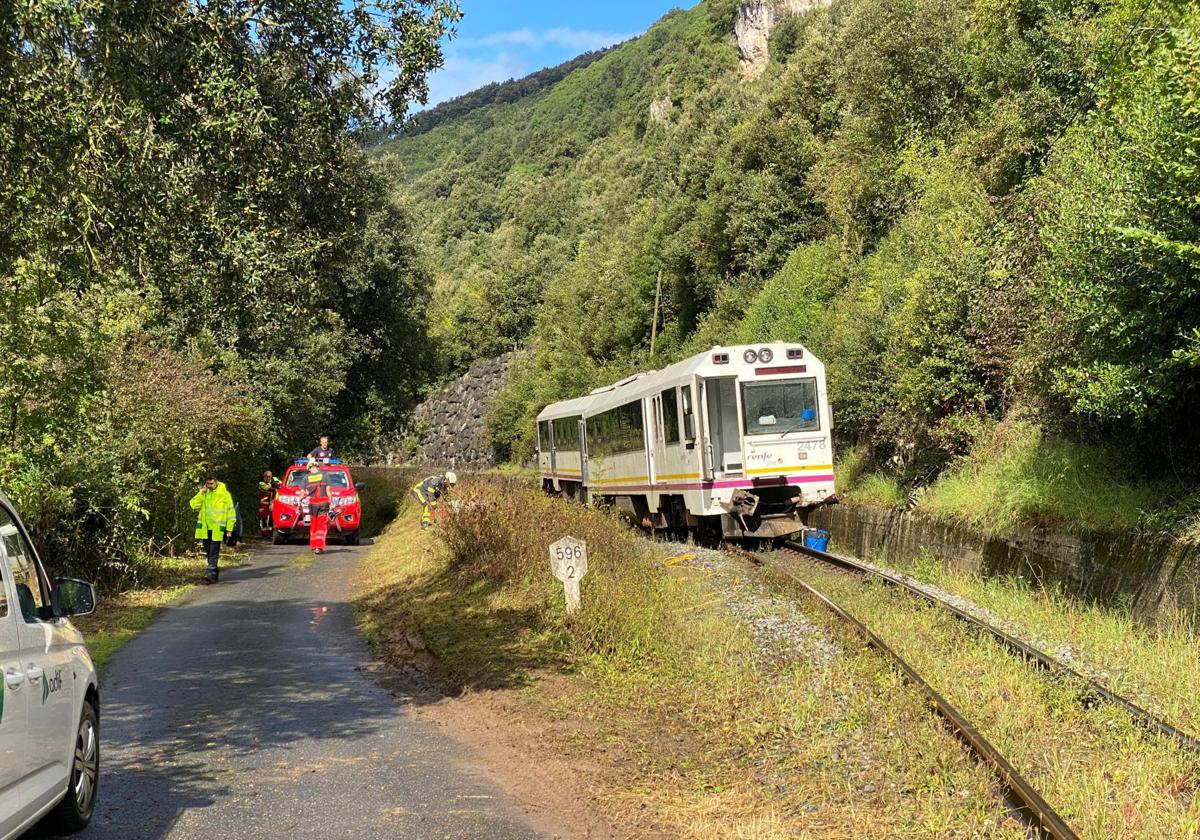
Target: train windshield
{"points": [[779, 407]]}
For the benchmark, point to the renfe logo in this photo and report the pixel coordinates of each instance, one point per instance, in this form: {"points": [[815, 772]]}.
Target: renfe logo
{"points": [[763, 458]]}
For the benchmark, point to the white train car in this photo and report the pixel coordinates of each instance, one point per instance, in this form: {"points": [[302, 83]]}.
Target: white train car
{"points": [[735, 441]]}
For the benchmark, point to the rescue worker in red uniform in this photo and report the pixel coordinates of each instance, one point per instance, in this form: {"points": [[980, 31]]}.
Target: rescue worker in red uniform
{"points": [[429, 491], [317, 491], [266, 495]]}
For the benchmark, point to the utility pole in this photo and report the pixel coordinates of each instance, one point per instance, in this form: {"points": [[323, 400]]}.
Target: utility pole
{"points": [[654, 325]]}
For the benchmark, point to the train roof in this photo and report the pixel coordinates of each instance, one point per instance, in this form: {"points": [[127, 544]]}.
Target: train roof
{"points": [[646, 384]]}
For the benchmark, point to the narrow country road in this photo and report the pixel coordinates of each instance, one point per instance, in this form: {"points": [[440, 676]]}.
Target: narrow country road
{"points": [[242, 714]]}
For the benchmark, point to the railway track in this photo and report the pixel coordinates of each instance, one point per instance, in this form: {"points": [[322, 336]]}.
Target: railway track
{"points": [[1024, 800], [1093, 691]]}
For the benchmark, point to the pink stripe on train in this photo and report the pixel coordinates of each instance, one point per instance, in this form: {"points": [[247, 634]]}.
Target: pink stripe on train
{"points": [[713, 485]]}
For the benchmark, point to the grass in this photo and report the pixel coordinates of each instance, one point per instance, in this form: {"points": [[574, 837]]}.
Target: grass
{"points": [[1021, 477], [121, 615], [1155, 665], [681, 726], [1094, 765], [876, 490]]}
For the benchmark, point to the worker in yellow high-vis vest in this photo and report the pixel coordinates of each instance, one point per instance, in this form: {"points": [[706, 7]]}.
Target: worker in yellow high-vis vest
{"points": [[215, 519], [429, 491]]}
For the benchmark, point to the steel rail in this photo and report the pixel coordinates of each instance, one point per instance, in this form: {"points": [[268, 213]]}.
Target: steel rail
{"points": [[1037, 814], [1043, 660]]}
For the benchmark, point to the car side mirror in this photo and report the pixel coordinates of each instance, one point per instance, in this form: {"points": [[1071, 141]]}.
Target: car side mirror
{"points": [[71, 597], [360, 485]]}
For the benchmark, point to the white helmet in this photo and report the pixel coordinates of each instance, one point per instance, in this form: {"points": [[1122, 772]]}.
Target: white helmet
{"points": [[451, 478]]}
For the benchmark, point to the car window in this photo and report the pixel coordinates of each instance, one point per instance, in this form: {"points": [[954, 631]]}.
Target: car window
{"points": [[7, 526], [23, 564]]}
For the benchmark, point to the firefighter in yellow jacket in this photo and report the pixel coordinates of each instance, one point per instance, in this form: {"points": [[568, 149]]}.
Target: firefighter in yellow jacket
{"points": [[215, 519], [429, 491]]}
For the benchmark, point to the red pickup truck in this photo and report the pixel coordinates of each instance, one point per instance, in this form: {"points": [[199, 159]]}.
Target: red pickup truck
{"points": [[289, 510]]}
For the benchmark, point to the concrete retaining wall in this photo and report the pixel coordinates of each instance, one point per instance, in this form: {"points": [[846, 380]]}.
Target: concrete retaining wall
{"points": [[1143, 572]]}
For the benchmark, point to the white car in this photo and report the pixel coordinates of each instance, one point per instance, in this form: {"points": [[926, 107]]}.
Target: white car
{"points": [[49, 696]]}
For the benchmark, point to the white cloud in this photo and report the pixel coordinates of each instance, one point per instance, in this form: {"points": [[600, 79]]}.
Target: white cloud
{"points": [[463, 74], [581, 40]]}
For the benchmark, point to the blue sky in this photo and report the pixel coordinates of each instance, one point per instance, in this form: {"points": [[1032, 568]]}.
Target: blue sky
{"points": [[504, 39]]}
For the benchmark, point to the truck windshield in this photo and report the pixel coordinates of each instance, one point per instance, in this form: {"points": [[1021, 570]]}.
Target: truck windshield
{"points": [[334, 478], [778, 407]]}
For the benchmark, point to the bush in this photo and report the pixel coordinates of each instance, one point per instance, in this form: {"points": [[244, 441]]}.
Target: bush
{"points": [[384, 494], [501, 531], [111, 489]]}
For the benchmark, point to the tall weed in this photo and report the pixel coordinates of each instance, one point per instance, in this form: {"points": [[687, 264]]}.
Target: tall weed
{"points": [[501, 531]]}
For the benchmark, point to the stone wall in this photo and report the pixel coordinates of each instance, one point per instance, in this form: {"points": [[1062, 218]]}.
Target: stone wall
{"points": [[1142, 572], [449, 429]]}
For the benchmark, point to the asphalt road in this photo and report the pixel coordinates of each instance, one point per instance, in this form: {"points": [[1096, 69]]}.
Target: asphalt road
{"points": [[241, 713]]}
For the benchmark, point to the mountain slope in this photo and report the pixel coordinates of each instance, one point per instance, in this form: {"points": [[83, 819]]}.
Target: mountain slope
{"points": [[922, 191]]}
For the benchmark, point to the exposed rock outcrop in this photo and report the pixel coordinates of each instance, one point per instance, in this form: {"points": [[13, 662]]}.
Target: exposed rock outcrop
{"points": [[660, 110], [753, 24], [449, 429]]}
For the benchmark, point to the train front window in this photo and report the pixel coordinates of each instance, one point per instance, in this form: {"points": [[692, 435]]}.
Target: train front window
{"points": [[776, 408]]}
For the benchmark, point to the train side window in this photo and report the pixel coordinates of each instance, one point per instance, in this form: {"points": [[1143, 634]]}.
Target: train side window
{"points": [[616, 431], [670, 413], [566, 434], [544, 436], [689, 417]]}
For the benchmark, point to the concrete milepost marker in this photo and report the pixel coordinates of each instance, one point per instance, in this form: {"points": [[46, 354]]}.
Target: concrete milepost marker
{"points": [[568, 561]]}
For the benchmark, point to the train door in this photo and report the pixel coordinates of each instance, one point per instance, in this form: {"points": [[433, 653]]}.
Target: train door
{"points": [[724, 431], [658, 450], [553, 449], [706, 447], [583, 455]]}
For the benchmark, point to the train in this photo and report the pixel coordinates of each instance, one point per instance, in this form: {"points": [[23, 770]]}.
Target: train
{"points": [[735, 442]]}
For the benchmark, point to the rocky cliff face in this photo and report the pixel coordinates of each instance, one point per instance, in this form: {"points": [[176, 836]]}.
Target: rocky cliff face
{"points": [[753, 24], [448, 430], [660, 110]]}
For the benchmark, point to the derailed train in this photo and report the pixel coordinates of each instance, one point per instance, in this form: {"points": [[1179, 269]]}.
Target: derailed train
{"points": [[735, 442]]}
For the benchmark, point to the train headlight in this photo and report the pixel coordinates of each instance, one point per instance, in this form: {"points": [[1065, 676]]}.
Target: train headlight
{"points": [[750, 357], [765, 355]]}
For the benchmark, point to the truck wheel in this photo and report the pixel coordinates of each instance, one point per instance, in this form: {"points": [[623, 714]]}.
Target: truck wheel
{"points": [[75, 811], [278, 538], [353, 538]]}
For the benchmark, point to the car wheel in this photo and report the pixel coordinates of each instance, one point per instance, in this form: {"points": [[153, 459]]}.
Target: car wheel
{"points": [[75, 811], [278, 538]]}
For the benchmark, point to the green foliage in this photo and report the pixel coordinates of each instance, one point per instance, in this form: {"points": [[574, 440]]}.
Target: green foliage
{"points": [[1119, 273], [792, 305], [876, 489], [496, 93], [198, 267], [961, 206], [1020, 476]]}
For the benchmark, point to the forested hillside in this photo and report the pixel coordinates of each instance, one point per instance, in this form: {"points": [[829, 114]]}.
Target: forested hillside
{"points": [[496, 93], [198, 268], [983, 214]]}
